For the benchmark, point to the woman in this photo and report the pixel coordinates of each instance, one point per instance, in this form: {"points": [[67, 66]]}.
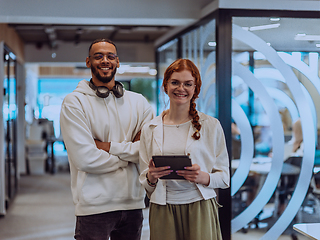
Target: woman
{"points": [[184, 209]]}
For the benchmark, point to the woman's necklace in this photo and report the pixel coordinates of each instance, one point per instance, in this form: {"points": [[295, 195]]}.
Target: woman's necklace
{"points": [[184, 120], [177, 125]]}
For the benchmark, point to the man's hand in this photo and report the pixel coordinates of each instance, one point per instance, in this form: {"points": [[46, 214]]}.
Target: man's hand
{"points": [[102, 145], [137, 137]]}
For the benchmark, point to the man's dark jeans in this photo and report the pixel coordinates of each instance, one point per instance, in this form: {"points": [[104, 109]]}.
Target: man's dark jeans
{"points": [[118, 225]]}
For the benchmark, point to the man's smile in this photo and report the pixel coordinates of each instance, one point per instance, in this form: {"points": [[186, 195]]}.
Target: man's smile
{"points": [[105, 68]]}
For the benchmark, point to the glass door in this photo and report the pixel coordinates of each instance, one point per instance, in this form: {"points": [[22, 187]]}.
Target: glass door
{"points": [[9, 120]]}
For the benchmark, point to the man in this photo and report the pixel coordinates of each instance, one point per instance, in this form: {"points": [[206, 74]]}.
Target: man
{"points": [[100, 124]]}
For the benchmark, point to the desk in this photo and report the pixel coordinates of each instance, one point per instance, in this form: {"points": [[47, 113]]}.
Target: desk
{"points": [[263, 166], [310, 230]]}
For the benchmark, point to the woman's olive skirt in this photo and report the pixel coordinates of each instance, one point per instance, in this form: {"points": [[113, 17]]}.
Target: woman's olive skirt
{"points": [[194, 221]]}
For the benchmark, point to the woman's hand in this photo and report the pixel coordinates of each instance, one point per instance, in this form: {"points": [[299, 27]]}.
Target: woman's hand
{"points": [[156, 172], [194, 174]]}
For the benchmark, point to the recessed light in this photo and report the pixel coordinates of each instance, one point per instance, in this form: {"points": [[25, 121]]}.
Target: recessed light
{"points": [[262, 27], [212, 44], [318, 45], [305, 37], [275, 19]]}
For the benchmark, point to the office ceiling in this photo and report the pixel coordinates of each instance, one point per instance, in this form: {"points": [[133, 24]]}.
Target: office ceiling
{"points": [[283, 34], [60, 26], [282, 38], [46, 23], [52, 35], [53, 23]]}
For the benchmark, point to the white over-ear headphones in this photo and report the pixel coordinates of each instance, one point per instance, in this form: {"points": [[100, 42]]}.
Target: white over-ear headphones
{"points": [[103, 92]]}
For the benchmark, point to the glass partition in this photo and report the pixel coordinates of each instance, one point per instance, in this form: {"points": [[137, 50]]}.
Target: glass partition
{"points": [[166, 55], [275, 109], [9, 120], [199, 46], [275, 114]]}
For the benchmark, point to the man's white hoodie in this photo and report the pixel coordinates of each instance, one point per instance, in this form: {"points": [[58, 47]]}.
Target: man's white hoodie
{"points": [[102, 181]]}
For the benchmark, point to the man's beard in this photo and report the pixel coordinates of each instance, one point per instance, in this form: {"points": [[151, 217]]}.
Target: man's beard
{"points": [[101, 78]]}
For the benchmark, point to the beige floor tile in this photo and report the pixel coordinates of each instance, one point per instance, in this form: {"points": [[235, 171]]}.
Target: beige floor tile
{"points": [[43, 210]]}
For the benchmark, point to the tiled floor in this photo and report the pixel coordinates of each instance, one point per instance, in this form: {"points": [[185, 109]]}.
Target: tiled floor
{"points": [[43, 210]]}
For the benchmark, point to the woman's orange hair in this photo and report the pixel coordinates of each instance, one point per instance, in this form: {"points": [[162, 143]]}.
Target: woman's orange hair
{"points": [[178, 66]]}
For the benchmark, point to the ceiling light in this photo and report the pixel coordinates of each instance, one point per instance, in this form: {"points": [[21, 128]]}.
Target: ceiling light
{"points": [[275, 19], [263, 27], [130, 69], [153, 72], [123, 68], [305, 37], [12, 56], [149, 29], [139, 70], [102, 28], [212, 44], [49, 30]]}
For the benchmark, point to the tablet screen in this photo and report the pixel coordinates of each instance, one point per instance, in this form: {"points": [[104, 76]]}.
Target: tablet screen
{"points": [[176, 162]]}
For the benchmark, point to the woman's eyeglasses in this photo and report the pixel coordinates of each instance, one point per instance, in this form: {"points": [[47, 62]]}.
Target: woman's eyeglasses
{"points": [[100, 56], [186, 85]]}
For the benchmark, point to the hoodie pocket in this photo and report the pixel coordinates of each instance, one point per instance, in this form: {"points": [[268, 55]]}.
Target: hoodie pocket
{"points": [[117, 186]]}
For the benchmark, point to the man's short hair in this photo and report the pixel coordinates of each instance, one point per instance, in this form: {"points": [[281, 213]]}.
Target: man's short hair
{"points": [[102, 40]]}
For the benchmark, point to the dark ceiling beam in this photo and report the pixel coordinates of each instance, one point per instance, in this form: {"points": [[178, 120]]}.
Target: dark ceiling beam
{"points": [[113, 33]]}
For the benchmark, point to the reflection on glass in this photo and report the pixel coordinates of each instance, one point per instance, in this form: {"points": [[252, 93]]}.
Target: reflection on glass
{"points": [[290, 80]]}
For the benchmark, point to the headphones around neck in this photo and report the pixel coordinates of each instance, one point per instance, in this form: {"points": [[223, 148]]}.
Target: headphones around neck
{"points": [[103, 92]]}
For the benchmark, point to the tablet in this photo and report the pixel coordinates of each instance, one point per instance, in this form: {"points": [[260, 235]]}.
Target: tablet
{"points": [[176, 162]]}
